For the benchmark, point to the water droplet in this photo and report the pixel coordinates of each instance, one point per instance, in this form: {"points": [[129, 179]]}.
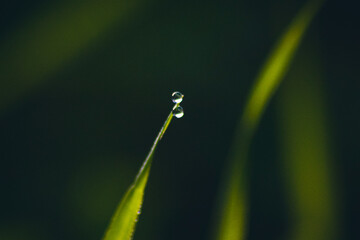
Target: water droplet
{"points": [[177, 97], [178, 112]]}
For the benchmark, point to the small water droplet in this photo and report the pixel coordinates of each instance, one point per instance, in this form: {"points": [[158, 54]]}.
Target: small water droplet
{"points": [[177, 97], [178, 112]]}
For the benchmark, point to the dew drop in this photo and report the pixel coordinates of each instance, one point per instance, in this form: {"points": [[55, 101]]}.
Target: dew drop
{"points": [[178, 112], [177, 97]]}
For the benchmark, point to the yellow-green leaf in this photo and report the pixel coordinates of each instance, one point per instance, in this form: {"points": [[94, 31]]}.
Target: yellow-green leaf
{"points": [[52, 38], [307, 155], [124, 220], [232, 222]]}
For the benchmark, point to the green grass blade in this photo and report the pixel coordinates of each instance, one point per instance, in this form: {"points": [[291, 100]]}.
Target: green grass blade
{"points": [[276, 66], [52, 38], [124, 220], [306, 151], [234, 203]]}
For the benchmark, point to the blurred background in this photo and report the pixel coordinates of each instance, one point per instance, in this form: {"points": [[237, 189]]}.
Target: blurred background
{"points": [[85, 87]]}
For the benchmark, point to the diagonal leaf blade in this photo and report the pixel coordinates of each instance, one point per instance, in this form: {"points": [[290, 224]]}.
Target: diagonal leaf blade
{"points": [[233, 207], [307, 154], [123, 222], [52, 38]]}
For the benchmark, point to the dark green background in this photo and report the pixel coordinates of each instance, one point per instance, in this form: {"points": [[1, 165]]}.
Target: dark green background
{"points": [[73, 142]]}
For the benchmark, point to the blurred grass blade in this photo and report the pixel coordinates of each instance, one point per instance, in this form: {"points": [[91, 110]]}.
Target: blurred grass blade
{"points": [[53, 37], [234, 203], [276, 66], [123, 222], [306, 151]]}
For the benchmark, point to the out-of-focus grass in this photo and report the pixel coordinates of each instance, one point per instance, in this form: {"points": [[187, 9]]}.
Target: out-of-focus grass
{"points": [[51, 39], [232, 224], [307, 156], [123, 222]]}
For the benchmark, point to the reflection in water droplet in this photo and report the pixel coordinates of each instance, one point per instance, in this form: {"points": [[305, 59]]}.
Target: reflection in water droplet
{"points": [[177, 97], [178, 112]]}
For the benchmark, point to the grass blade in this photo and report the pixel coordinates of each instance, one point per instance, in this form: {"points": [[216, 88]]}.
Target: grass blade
{"points": [[306, 151], [123, 222], [234, 203], [54, 37]]}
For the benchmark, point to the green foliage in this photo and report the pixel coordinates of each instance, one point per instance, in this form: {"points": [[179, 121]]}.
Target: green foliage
{"points": [[83, 66], [124, 220], [234, 205], [307, 155], [54, 38]]}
